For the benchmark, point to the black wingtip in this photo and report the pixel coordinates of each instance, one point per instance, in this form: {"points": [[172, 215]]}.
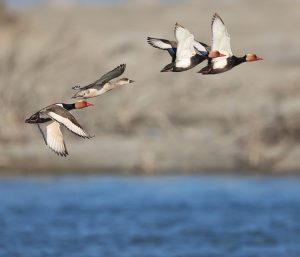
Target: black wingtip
{"points": [[149, 41], [217, 16]]}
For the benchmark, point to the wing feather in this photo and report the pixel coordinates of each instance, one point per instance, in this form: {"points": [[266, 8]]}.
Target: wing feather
{"points": [[64, 117], [221, 38], [118, 71], [201, 48], [54, 138], [98, 84], [163, 44], [185, 49], [70, 125]]}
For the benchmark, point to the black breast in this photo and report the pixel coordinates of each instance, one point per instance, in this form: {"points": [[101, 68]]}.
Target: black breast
{"points": [[232, 61]]}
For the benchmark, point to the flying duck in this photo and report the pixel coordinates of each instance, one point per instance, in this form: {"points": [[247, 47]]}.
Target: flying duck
{"points": [[103, 84], [56, 115], [186, 53], [221, 42]]}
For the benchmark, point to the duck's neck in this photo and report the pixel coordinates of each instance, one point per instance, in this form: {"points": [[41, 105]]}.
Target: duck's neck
{"points": [[69, 107], [239, 60]]}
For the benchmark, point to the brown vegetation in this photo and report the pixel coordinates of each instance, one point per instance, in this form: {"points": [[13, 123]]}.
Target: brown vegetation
{"points": [[247, 118]]}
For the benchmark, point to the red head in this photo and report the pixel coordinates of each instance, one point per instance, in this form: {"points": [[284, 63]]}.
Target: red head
{"points": [[252, 57], [82, 104], [215, 54]]}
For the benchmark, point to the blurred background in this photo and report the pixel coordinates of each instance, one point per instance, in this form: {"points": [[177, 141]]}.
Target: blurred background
{"points": [[242, 125], [245, 119]]}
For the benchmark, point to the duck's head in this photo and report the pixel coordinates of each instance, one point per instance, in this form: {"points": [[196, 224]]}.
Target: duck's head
{"points": [[124, 81], [252, 57], [215, 54], [82, 104]]}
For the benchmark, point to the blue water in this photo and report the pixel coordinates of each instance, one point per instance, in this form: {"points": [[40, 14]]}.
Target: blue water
{"points": [[150, 217]]}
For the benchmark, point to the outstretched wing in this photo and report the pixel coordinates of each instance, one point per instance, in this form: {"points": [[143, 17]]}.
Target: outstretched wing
{"points": [[64, 117], [164, 44], [104, 79], [111, 75], [54, 138], [221, 38], [185, 49], [201, 48]]}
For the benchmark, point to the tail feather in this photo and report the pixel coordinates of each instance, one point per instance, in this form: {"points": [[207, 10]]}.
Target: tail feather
{"points": [[76, 87], [205, 70], [168, 67], [77, 95]]}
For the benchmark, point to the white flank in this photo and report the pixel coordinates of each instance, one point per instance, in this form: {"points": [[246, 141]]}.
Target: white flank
{"points": [[220, 62], [92, 92], [183, 63]]}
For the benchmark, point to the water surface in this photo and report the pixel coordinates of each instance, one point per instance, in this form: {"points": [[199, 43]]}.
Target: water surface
{"points": [[150, 217]]}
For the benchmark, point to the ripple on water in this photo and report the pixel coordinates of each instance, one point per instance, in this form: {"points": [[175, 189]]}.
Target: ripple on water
{"points": [[175, 216]]}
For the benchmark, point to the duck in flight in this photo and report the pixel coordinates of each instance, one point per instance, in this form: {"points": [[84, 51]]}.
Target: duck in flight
{"points": [[55, 115], [186, 53], [221, 43], [103, 84]]}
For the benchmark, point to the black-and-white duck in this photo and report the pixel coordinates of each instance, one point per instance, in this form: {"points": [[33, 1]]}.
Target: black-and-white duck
{"points": [[186, 53], [103, 84], [221, 43], [55, 115]]}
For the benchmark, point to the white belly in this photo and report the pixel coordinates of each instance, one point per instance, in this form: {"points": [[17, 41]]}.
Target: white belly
{"points": [[94, 92]]}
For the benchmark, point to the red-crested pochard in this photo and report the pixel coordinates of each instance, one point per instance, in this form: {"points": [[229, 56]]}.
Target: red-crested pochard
{"points": [[221, 43], [55, 115], [186, 53]]}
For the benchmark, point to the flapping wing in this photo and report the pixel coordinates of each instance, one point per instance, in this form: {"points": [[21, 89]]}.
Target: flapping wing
{"points": [[163, 44], [221, 38], [54, 138], [185, 49], [64, 117], [201, 48], [104, 79], [110, 75]]}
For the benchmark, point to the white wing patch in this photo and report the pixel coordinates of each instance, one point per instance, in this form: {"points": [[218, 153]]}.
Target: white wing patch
{"points": [[220, 62], [54, 138], [69, 125], [185, 49], [221, 38]]}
